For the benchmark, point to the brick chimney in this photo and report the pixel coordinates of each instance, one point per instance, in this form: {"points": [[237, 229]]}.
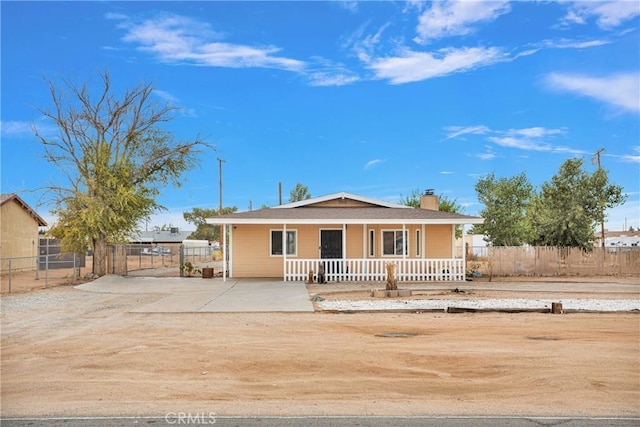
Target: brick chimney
{"points": [[429, 200]]}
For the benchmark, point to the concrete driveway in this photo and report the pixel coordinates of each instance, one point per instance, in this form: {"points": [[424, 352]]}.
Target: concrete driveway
{"points": [[191, 295]]}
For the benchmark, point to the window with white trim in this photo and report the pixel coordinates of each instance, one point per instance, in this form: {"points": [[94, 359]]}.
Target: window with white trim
{"points": [[418, 243], [394, 242], [277, 243]]}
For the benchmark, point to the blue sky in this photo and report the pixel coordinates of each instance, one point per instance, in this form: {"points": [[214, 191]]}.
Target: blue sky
{"points": [[372, 98]]}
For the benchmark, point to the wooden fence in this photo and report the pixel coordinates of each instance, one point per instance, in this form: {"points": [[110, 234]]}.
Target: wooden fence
{"points": [[552, 261]]}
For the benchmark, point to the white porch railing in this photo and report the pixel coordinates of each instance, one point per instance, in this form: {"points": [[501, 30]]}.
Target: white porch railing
{"points": [[407, 270]]}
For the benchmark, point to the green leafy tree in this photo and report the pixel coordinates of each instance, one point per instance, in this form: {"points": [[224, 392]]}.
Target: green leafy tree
{"points": [[506, 202], [413, 199], [115, 157], [445, 204], [204, 231], [163, 227], [299, 192], [572, 204]]}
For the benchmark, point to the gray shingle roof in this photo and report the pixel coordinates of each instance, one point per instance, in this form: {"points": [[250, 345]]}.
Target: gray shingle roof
{"points": [[348, 215]]}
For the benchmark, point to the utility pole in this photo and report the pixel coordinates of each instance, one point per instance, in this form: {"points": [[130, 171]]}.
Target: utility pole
{"points": [[220, 162], [597, 157]]}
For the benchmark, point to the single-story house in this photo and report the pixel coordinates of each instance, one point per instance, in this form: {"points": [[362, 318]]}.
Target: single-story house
{"points": [[19, 225], [351, 237]]}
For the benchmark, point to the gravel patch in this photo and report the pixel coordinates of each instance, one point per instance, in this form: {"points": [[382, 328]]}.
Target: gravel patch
{"points": [[33, 301], [489, 303]]}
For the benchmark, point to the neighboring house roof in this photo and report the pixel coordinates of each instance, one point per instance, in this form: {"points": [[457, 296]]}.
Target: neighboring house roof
{"points": [[6, 198], [612, 234], [161, 236], [379, 213]]}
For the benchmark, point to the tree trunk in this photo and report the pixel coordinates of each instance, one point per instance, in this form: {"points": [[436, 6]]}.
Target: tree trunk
{"points": [[100, 256]]}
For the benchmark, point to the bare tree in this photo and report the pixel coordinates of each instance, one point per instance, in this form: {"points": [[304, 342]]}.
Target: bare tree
{"points": [[115, 157]]}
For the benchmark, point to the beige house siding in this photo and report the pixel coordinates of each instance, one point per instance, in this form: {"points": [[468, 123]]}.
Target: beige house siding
{"points": [[19, 235], [251, 245], [251, 257], [438, 241]]}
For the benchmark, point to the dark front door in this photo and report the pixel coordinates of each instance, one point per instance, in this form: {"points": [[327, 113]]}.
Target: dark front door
{"points": [[330, 243]]}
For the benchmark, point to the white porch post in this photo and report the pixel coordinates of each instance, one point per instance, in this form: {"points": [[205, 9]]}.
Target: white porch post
{"points": [[405, 242], [343, 267], [453, 270], [453, 241], [464, 251], [423, 246], [284, 251], [344, 241], [224, 253], [230, 266], [405, 249]]}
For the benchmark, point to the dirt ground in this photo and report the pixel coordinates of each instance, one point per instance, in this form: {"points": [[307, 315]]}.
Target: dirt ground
{"points": [[69, 352]]}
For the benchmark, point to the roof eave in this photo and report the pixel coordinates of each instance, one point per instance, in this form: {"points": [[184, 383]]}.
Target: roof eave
{"points": [[338, 221]]}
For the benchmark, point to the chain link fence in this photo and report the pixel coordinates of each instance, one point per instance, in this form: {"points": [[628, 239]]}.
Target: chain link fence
{"points": [[159, 260], [42, 270]]}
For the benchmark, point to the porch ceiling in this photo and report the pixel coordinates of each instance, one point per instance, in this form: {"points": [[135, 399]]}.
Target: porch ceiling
{"points": [[350, 215]]}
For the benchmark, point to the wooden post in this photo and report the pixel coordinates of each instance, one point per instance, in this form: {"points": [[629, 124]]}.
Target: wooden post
{"points": [[392, 283], [556, 308]]}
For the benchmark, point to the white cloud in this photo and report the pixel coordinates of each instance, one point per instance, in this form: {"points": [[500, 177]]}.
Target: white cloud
{"points": [[531, 139], [15, 128], [457, 131], [455, 18], [175, 102], [331, 79], [364, 46], [351, 6], [621, 90], [24, 129], [608, 14], [413, 66], [629, 158], [116, 16], [528, 139], [179, 39], [573, 44], [372, 163], [486, 156], [166, 96], [535, 132], [520, 143]]}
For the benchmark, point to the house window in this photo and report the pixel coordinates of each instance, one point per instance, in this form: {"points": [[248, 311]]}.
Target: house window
{"points": [[372, 245], [394, 242], [418, 243], [291, 243]]}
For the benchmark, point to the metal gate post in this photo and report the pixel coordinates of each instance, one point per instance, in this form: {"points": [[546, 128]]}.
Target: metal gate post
{"points": [[46, 269], [181, 260], [9, 275]]}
